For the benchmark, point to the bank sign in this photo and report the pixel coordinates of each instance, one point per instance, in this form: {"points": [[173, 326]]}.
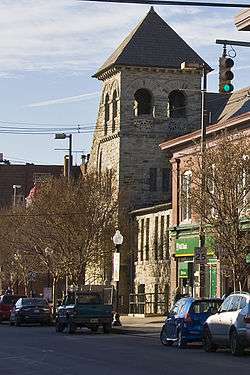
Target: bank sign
{"points": [[186, 246]]}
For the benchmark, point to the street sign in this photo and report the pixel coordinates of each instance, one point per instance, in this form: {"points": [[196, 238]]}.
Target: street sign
{"points": [[116, 267], [200, 255]]}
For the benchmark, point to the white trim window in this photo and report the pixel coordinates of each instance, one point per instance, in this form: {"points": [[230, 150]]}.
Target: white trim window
{"points": [[186, 179]]}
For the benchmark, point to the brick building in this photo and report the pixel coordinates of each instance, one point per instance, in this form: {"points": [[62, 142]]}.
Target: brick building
{"points": [[24, 176], [184, 231]]}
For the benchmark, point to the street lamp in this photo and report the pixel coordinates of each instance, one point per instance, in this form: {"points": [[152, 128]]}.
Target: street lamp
{"points": [[15, 187], [63, 136], [202, 249], [118, 241]]}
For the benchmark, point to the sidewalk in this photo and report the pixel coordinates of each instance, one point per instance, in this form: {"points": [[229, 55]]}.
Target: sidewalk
{"points": [[134, 325]]}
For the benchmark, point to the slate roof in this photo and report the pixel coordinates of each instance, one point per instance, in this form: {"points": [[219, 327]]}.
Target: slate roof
{"points": [[152, 43]]}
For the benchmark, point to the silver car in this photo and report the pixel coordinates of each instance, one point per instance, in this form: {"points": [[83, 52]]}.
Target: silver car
{"points": [[230, 326]]}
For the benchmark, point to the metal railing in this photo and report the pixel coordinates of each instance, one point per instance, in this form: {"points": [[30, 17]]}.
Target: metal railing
{"points": [[148, 304]]}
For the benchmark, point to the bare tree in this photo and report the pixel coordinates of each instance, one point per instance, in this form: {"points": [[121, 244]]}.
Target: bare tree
{"points": [[223, 201]]}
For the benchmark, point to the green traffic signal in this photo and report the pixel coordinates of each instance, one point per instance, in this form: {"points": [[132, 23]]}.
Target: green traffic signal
{"points": [[228, 88]]}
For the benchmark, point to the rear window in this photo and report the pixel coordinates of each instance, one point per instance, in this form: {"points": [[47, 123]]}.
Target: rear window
{"points": [[210, 307], [10, 299], [88, 299], [34, 302]]}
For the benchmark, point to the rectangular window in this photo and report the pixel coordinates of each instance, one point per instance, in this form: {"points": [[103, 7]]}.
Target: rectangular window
{"points": [[147, 239], [167, 238], [156, 237], [185, 196], [166, 179], [161, 238], [142, 239], [153, 179]]}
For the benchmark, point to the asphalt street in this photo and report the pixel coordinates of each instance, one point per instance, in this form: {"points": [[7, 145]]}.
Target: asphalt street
{"points": [[35, 350]]}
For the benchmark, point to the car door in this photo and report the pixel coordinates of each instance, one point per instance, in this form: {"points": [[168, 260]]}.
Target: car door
{"points": [[216, 326], [226, 318], [172, 319]]}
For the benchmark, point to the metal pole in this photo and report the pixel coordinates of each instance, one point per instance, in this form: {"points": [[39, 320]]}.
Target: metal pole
{"points": [[117, 284], [14, 198], [70, 156], [203, 147]]}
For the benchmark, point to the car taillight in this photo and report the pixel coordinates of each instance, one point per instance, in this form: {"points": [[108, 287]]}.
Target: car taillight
{"points": [[187, 318], [247, 319]]}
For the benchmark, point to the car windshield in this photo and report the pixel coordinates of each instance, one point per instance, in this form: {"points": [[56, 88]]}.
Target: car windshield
{"points": [[88, 299], [34, 302], [10, 299], [199, 307]]}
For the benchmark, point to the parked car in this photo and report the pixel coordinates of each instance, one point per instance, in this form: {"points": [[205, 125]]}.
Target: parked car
{"points": [[83, 309], [230, 326], [7, 301], [185, 321], [31, 310]]}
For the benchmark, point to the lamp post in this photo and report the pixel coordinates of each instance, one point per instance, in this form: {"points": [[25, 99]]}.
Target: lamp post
{"points": [[201, 250], [63, 136], [118, 241], [15, 187]]}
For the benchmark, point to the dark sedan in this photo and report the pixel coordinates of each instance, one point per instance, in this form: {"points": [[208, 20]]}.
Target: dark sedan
{"points": [[31, 310]]}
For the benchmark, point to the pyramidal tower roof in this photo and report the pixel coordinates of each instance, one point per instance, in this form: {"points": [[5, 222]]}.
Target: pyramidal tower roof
{"points": [[152, 43]]}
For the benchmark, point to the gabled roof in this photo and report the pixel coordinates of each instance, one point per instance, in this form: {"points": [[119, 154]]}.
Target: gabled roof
{"points": [[152, 43]]}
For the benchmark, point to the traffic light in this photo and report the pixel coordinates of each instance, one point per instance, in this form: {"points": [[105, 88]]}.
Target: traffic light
{"points": [[226, 75]]}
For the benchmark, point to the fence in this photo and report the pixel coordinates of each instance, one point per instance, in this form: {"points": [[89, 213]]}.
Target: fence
{"points": [[148, 304]]}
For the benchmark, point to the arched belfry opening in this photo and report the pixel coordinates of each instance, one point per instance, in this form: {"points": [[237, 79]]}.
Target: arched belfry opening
{"points": [[114, 109], [176, 104], [106, 116], [143, 102]]}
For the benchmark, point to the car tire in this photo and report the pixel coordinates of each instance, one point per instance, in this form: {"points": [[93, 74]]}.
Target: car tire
{"points": [[235, 346], [208, 344], [181, 343], [164, 339], [94, 329], [107, 328], [59, 327]]}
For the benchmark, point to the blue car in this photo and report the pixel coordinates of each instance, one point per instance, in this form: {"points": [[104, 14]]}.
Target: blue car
{"points": [[185, 321]]}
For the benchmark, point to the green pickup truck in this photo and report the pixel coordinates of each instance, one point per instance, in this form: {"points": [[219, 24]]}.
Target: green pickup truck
{"points": [[83, 309]]}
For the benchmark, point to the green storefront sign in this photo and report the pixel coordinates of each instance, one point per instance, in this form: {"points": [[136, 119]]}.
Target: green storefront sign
{"points": [[183, 270], [185, 246]]}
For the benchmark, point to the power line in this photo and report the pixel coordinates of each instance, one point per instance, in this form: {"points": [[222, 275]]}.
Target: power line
{"points": [[173, 2]]}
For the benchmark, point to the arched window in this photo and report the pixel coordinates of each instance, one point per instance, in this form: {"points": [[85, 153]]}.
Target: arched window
{"points": [[106, 117], [143, 102], [114, 112], [177, 104]]}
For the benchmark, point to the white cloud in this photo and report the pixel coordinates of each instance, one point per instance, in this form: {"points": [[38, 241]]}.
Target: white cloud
{"points": [[70, 35], [69, 99]]}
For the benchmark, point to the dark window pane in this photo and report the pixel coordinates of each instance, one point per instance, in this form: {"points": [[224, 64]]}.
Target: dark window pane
{"points": [[147, 239], [153, 179], [143, 102]]}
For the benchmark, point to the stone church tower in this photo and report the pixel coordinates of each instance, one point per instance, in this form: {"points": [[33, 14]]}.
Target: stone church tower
{"points": [[146, 98]]}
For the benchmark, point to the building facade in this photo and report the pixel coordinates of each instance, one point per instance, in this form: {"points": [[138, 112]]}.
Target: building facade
{"points": [[184, 231]]}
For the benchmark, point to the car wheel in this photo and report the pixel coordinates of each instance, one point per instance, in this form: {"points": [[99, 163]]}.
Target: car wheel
{"points": [[235, 346], [94, 328], [164, 339], [107, 328], [208, 344], [181, 343], [59, 327]]}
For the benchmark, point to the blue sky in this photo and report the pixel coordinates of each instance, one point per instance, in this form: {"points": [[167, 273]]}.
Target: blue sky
{"points": [[49, 49]]}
